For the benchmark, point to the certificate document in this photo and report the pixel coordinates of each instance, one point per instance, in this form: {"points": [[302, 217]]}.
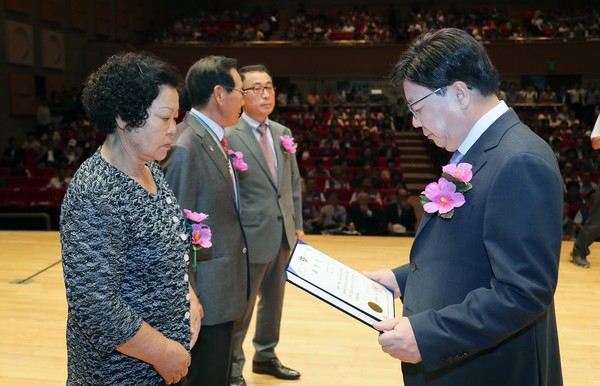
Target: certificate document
{"points": [[339, 285]]}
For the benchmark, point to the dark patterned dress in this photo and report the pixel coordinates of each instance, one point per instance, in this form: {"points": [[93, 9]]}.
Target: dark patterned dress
{"points": [[125, 259]]}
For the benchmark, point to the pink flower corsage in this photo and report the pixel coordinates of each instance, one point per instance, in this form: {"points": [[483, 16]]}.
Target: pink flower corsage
{"points": [[237, 159], [287, 141], [447, 193], [201, 233]]}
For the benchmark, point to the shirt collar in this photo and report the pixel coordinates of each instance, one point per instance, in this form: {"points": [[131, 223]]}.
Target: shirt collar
{"points": [[214, 127], [253, 122], [482, 125]]}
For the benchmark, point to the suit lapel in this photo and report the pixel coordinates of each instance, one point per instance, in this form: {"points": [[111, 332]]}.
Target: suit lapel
{"points": [[476, 156], [246, 135], [211, 147], [278, 150]]}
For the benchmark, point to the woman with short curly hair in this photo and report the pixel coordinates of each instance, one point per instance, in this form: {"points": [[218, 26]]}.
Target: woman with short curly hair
{"points": [[132, 318]]}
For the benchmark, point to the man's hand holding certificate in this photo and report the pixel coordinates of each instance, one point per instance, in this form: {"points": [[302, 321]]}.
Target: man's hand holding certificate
{"points": [[339, 285]]}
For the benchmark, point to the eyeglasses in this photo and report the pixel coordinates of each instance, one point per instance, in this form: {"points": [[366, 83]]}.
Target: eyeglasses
{"points": [[414, 112], [243, 92], [258, 90]]}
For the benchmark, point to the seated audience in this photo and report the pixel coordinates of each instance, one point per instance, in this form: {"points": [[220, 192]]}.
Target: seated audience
{"points": [[13, 154], [584, 211], [333, 215], [319, 169], [586, 185], [568, 224], [366, 186], [72, 154], [312, 192], [61, 180], [20, 170], [336, 180], [50, 153], [310, 216], [366, 218], [400, 216], [31, 142]]}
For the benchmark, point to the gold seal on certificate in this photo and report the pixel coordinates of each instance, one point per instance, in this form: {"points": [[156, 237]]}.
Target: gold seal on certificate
{"points": [[375, 307], [339, 285]]}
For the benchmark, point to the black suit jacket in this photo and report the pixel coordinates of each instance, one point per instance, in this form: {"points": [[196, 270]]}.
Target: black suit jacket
{"points": [[407, 217], [367, 225]]}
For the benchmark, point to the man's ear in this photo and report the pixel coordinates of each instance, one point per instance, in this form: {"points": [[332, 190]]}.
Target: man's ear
{"points": [[462, 92], [218, 93]]}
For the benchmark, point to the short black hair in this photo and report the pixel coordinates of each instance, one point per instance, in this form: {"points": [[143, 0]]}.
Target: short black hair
{"points": [[125, 86], [205, 74], [439, 58], [253, 67]]}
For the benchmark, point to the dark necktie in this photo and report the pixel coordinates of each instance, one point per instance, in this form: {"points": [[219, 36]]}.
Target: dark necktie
{"points": [[266, 149]]}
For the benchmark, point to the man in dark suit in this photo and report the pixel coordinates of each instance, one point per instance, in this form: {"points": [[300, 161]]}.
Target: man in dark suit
{"points": [[400, 216], [365, 217], [201, 175], [478, 292], [271, 214]]}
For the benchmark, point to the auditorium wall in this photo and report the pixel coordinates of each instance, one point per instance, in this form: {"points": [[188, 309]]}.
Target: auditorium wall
{"points": [[51, 45]]}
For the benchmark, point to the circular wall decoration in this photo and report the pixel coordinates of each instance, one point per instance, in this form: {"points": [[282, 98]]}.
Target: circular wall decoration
{"points": [[53, 49], [19, 44]]}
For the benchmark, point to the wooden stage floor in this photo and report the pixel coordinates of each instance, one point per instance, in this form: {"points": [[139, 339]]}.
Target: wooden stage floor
{"points": [[326, 346]]}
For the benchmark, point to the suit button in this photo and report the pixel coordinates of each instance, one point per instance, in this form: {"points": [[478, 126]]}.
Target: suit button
{"points": [[244, 250], [413, 267]]}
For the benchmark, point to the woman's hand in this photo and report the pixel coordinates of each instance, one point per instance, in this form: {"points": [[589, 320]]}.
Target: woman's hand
{"points": [[196, 315]]}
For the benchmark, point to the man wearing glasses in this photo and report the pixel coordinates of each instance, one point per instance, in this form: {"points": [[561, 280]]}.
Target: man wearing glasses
{"points": [[199, 171], [271, 215], [478, 291]]}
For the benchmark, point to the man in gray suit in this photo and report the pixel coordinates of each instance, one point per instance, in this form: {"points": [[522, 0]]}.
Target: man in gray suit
{"points": [[271, 214], [201, 175]]}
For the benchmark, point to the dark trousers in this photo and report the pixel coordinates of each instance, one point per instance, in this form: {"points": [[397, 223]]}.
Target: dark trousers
{"points": [[211, 357], [589, 232], [267, 284]]}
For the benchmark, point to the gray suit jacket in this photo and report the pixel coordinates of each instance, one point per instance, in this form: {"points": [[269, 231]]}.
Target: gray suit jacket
{"points": [[267, 210], [198, 174], [479, 288]]}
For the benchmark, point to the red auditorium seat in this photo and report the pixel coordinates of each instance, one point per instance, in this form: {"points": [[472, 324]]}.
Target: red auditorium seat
{"points": [[18, 197], [18, 182], [38, 182], [45, 197]]}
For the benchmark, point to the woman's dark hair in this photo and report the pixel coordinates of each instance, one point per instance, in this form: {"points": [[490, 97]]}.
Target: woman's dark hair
{"points": [[439, 58], [125, 87], [205, 74]]}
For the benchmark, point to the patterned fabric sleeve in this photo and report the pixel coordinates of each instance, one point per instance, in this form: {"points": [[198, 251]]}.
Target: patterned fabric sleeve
{"points": [[94, 261]]}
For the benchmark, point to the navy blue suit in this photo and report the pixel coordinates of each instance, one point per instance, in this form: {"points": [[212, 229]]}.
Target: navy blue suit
{"points": [[479, 287]]}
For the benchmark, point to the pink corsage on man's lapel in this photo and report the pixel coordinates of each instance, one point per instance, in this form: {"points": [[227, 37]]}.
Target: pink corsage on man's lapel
{"points": [[200, 233], [237, 159], [287, 142], [447, 193]]}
